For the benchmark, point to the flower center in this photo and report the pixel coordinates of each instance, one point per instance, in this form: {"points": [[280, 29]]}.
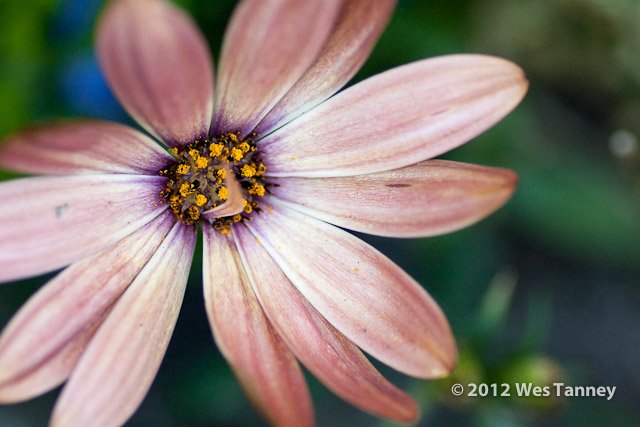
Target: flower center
{"points": [[198, 180]]}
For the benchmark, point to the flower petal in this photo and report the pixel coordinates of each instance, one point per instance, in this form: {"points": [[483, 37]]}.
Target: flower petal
{"points": [[429, 198], [397, 118], [267, 47], [359, 26], [360, 292], [41, 378], [266, 369], [116, 370], [88, 146], [331, 357], [158, 64], [49, 222], [42, 342]]}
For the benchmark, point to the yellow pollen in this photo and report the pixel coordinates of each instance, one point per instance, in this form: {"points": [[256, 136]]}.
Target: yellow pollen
{"points": [[222, 193], [186, 189], [257, 189], [175, 202], [202, 162], [194, 213], [248, 171], [182, 169], [215, 150], [236, 154], [195, 182]]}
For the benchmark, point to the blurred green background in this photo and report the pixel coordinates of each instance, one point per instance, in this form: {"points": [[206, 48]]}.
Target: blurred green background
{"points": [[546, 290]]}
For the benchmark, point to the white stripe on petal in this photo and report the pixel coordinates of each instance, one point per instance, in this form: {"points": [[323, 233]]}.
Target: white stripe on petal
{"points": [[331, 357], [49, 222], [397, 118], [429, 198], [89, 146], [42, 342], [360, 292], [115, 372], [266, 369]]}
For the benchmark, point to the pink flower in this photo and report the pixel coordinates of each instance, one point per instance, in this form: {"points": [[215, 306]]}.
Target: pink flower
{"points": [[263, 165]]}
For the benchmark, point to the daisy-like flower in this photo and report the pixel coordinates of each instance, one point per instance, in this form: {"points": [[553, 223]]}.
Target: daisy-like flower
{"points": [[268, 165]]}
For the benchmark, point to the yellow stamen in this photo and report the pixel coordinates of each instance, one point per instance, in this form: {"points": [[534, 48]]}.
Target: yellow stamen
{"points": [[183, 169], [222, 173], [194, 213], [200, 200], [202, 162], [222, 193], [186, 189], [215, 149], [175, 203], [236, 154], [248, 171], [257, 189], [244, 147]]}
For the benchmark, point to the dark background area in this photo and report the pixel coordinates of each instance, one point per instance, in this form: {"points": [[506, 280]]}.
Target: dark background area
{"points": [[545, 290]]}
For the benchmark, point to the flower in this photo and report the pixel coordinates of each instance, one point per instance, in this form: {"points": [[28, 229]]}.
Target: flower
{"points": [[267, 166]]}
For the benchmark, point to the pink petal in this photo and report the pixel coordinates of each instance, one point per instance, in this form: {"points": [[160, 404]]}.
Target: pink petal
{"points": [[397, 118], [429, 198], [116, 370], [49, 222], [158, 64], [32, 381], [266, 369], [82, 147], [360, 292], [331, 357], [42, 342], [358, 28], [267, 47]]}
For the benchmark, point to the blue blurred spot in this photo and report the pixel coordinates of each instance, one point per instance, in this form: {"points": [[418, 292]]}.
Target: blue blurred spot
{"points": [[75, 17], [85, 91]]}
